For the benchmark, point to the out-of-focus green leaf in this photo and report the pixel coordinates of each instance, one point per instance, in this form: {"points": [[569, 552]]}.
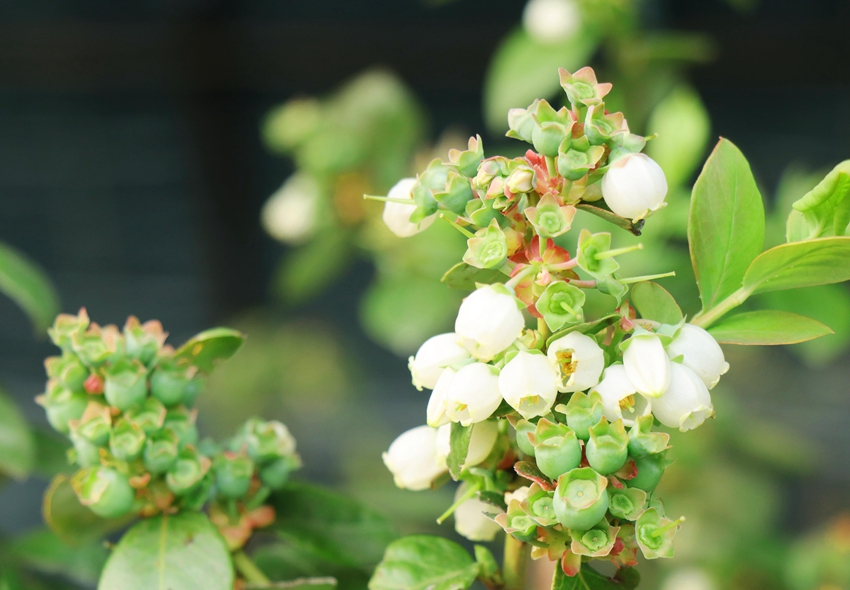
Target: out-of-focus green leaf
{"points": [[458, 448], [424, 562], [17, 448], [626, 578], [310, 268], [210, 347], [726, 223], [27, 285], [524, 69], [683, 127], [653, 302], [463, 276], [45, 552], [71, 521], [800, 264], [183, 552], [767, 327], [324, 583], [284, 561]]}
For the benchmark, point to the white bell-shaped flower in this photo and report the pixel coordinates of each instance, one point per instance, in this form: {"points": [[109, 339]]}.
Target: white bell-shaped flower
{"points": [[646, 364], [529, 384], [413, 460], [291, 213], [470, 520], [578, 361], [473, 394], [488, 322], [397, 215], [439, 400], [551, 21], [620, 399], [686, 404], [437, 353], [518, 494], [484, 435], [634, 186], [700, 353]]}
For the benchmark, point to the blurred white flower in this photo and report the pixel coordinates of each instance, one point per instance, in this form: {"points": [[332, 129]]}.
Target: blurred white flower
{"points": [[413, 460], [291, 213], [481, 442], [689, 579], [529, 384], [686, 404], [437, 353], [551, 21], [470, 521], [578, 361], [646, 364], [634, 186], [700, 352], [397, 215], [439, 400], [488, 322], [473, 394], [620, 399]]}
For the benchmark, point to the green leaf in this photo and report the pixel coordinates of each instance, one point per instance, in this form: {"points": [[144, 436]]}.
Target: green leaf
{"points": [[180, 552], [626, 578], [767, 327], [464, 276], [308, 269], [210, 347], [654, 302], [44, 551], [324, 583], [72, 522], [283, 561], [524, 69], [421, 562], [800, 264], [825, 210], [726, 223], [330, 526], [17, 447], [28, 286], [458, 448], [585, 328]]}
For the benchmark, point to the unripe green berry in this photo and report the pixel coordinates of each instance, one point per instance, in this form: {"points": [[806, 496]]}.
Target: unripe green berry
{"points": [[127, 441], [105, 491], [87, 453], [233, 475], [182, 422], [149, 416], [126, 384], [187, 472], [276, 474], [160, 451], [607, 449], [556, 449], [649, 471], [170, 383], [580, 499]]}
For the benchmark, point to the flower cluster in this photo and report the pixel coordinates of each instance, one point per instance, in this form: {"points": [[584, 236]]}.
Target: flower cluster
{"points": [[552, 428], [125, 400]]}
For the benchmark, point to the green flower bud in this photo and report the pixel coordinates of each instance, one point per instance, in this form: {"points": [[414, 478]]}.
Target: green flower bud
{"points": [[608, 447], [580, 499], [105, 491], [574, 164], [582, 87], [95, 425], [649, 471], [85, 453], [200, 495], [556, 448], [523, 429], [170, 382], [160, 451], [488, 249], [655, 534], [561, 304], [66, 327], [591, 254], [601, 127], [149, 415], [143, 341], [521, 180], [626, 503], [127, 440], [488, 170], [233, 474], [456, 194], [550, 129], [98, 345], [481, 212], [62, 405], [276, 474], [582, 412], [467, 161], [187, 472], [597, 542], [521, 122], [68, 370], [182, 422], [549, 218], [126, 384], [267, 441], [517, 522], [643, 442]]}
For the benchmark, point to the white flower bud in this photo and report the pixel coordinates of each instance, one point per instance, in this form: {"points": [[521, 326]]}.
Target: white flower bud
{"points": [[488, 321], [578, 361], [413, 460], [620, 399], [290, 213], [529, 384], [470, 520], [439, 400], [647, 365], [551, 21], [700, 353], [433, 356], [484, 435], [634, 186], [686, 404], [397, 215], [521, 180], [518, 494], [473, 394]]}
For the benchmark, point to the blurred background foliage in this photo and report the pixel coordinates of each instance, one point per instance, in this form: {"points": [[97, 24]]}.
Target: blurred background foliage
{"points": [[204, 162]]}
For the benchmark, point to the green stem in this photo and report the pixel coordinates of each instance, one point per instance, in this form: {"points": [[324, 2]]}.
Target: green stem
{"points": [[708, 316], [513, 567], [249, 570], [551, 168], [543, 328], [521, 275], [473, 489], [457, 226]]}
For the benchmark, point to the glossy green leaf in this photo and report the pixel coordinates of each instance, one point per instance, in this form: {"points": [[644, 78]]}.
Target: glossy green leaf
{"points": [[45, 552], [524, 69], [464, 276], [825, 210], [767, 327], [180, 552], [800, 264], [626, 578], [71, 521], [17, 447], [458, 448], [330, 526], [654, 302], [424, 562], [210, 347], [726, 223], [28, 286]]}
